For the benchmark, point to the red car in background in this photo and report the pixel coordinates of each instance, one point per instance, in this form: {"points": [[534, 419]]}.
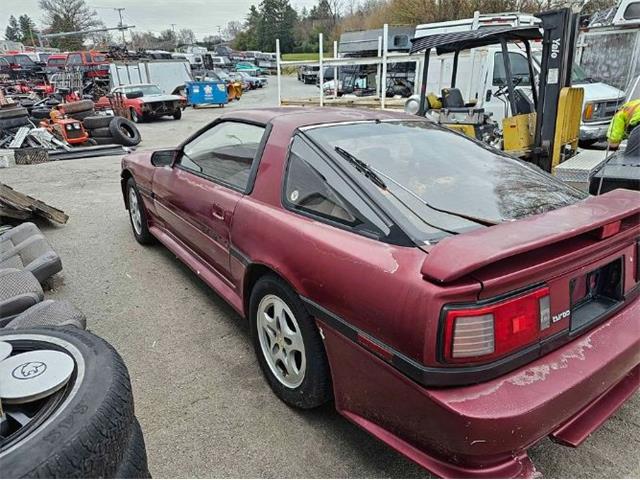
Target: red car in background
{"points": [[146, 101], [93, 64], [458, 304]]}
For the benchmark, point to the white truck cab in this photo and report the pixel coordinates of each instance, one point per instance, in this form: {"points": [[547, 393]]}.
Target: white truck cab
{"points": [[481, 75]]}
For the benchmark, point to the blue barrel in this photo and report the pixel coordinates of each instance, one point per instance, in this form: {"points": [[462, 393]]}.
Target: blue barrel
{"points": [[206, 93]]}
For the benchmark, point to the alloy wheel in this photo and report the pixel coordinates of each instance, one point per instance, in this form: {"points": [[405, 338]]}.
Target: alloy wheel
{"points": [[281, 341], [134, 211]]}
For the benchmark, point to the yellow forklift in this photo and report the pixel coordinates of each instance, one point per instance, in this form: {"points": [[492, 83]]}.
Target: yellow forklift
{"points": [[543, 128]]}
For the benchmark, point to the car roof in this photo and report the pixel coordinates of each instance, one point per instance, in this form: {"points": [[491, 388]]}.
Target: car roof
{"points": [[297, 117]]}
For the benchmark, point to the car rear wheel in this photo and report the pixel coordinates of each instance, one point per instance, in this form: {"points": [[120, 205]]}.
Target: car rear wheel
{"points": [[177, 114], [288, 345], [137, 215]]}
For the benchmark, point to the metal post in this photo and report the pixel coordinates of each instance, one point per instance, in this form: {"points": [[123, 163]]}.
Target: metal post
{"points": [[321, 72], [423, 86], [454, 73], [378, 70], [278, 72], [335, 70], [507, 69], [385, 48], [532, 75], [417, 75]]}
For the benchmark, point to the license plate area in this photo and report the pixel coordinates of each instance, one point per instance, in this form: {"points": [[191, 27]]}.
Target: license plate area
{"points": [[595, 293]]}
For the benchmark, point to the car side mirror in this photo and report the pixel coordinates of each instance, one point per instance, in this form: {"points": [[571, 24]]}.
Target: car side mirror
{"points": [[136, 94], [488, 96], [163, 158]]}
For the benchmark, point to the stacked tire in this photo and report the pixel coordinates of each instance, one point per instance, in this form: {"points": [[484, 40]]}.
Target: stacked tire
{"points": [[78, 110], [13, 117], [107, 130], [88, 429]]}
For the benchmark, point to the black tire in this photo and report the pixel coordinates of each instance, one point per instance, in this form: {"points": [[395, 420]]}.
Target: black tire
{"points": [[15, 112], [91, 142], [86, 435], [40, 113], [134, 464], [105, 141], [82, 115], [76, 107], [124, 132], [15, 122], [315, 389], [102, 132], [143, 237], [177, 114], [97, 121]]}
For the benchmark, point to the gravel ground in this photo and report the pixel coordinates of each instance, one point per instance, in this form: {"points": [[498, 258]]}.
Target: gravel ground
{"points": [[203, 405]]}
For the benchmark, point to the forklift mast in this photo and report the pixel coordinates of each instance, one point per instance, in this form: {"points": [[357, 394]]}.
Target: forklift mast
{"points": [[558, 47]]}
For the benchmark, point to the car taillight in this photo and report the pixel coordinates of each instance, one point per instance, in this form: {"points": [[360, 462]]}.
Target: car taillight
{"points": [[487, 332]]}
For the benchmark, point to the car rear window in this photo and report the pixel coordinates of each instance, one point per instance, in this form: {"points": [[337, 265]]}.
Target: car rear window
{"points": [[56, 61], [441, 181]]}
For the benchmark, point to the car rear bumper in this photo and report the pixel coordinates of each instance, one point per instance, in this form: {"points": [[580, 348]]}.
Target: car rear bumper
{"points": [[485, 430]]}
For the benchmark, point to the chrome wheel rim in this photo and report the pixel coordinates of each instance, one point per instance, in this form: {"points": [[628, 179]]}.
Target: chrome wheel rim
{"points": [[281, 341], [134, 211]]}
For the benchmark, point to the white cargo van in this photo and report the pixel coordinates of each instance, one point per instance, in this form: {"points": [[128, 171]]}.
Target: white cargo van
{"points": [[481, 76]]}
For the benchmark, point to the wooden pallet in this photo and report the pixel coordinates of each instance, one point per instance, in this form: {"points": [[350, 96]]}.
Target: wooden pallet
{"points": [[19, 206]]}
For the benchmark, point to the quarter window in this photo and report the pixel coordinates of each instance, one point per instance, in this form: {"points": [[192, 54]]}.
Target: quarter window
{"points": [[632, 12], [224, 153], [314, 187]]}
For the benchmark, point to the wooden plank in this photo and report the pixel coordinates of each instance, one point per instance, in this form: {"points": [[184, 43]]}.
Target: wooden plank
{"points": [[21, 201]]}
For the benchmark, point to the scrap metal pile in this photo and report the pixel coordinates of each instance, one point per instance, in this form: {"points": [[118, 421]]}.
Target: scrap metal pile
{"points": [[39, 127]]}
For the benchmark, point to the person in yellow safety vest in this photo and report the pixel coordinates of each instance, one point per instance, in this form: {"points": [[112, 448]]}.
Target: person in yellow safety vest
{"points": [[625, 120]]}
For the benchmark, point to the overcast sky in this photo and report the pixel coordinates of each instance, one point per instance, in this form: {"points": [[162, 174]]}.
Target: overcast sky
{"points": [[201, 16]]}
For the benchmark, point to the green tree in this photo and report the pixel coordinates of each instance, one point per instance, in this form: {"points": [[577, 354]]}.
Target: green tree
{"points": [[28, 30], [277, 21], [68, 16], [12, 31]]}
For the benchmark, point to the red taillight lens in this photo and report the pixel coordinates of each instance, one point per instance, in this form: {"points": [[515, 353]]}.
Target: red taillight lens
{"points": [[493, 331]]}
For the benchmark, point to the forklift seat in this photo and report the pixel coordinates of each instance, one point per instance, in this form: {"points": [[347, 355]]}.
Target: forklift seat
{"points": [[452, 98]]}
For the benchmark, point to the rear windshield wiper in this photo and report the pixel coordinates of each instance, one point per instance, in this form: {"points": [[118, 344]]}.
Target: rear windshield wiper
{"points": [[361, 167]]}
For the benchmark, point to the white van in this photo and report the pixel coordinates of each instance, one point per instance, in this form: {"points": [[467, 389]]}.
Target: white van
{"points": [[481, 74]]}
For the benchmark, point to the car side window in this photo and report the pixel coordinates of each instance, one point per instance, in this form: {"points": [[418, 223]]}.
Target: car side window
{"points": [[74, 59], [313, 186], [225, 153]]}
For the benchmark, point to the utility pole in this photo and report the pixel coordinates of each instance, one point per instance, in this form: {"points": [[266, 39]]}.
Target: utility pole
{"points": [[120, 10], [175, 38]]}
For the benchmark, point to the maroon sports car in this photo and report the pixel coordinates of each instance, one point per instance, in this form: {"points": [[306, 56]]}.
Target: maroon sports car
{"points": [[456, 303]]}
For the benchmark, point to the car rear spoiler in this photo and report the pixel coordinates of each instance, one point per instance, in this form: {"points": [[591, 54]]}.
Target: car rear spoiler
{"points": [[459, 255]]}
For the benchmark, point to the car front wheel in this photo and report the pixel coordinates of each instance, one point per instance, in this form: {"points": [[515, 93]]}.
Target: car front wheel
{"points": [[137, 214], [288, 345]]}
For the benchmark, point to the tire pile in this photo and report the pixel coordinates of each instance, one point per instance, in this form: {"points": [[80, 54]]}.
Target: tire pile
{"points": [[107, 130], [13, 117], [58, 421]]}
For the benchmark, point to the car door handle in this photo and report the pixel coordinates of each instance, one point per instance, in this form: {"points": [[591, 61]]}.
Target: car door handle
{"points": [[217, 212]]}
